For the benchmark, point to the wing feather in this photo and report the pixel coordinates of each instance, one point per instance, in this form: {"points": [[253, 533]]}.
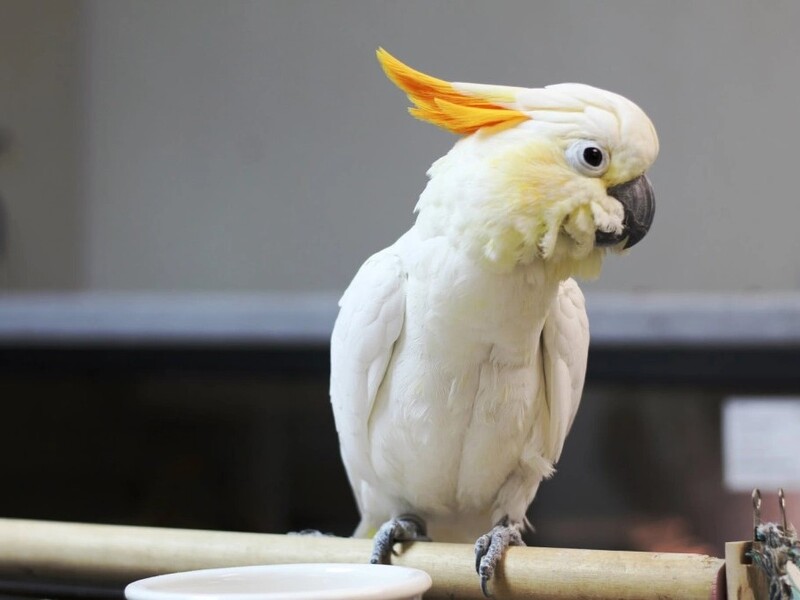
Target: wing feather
{"points": [[370, 321], [565, 349]]}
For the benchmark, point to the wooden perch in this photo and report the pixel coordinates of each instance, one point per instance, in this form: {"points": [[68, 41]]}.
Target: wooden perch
{"points": [[115, 555]]}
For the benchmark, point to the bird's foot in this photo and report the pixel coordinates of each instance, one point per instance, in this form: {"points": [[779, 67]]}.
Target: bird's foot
{"points": [[405, 528], [489, 549]]}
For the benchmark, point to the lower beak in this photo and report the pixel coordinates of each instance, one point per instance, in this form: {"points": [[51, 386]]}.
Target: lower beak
{"points": [[639, 202]]}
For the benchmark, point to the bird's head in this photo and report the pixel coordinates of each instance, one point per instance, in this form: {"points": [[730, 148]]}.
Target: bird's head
{"points": [[554, 173]]}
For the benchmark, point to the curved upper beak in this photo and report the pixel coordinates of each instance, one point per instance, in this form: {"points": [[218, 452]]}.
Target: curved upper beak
{"points": [[639, 203]]}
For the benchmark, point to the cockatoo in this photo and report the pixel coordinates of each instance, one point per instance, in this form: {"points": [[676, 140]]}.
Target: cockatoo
{"points": [[459, 353]]}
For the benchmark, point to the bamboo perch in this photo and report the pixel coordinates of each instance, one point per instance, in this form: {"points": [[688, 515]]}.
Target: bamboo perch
{"points": [[116, 555]]}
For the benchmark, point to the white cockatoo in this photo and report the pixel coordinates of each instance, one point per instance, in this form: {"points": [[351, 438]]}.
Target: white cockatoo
{"points": [[459, 353]]}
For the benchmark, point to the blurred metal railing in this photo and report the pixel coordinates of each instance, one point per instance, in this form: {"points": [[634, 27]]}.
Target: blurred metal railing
{"points": [[744, 339]]}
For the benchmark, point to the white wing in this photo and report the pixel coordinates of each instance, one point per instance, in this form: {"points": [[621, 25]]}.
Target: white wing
{"points": [[369, 323], [565, 348]]}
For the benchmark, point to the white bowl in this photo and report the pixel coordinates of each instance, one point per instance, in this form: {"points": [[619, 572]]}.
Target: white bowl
{"points": [[292, 582]]}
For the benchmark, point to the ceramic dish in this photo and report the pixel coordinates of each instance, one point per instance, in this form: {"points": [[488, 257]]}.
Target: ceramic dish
{"points": [[292, 582]]}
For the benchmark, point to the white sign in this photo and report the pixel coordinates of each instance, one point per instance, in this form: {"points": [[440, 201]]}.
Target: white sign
{"points": [[761, 443]]}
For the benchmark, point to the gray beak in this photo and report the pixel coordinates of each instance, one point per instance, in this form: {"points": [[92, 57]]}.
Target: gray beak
{"points": [[639, 202]]}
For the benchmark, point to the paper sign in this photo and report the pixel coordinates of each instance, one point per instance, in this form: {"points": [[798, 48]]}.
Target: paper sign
{"points": [[761, 443]]}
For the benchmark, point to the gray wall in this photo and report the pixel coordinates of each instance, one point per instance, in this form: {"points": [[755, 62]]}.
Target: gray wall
{"points": [[257, 145], [41, 207]]}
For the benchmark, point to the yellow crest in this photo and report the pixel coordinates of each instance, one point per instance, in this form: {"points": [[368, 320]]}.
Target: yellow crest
{"points": [[439, 102]]}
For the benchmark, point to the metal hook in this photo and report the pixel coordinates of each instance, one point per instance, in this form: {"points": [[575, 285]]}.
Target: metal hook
{"points": [[756, 512], [782, 506]]}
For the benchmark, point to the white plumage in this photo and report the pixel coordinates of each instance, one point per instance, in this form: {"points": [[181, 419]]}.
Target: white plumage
{"points": [[453, 387], [459, 354]]}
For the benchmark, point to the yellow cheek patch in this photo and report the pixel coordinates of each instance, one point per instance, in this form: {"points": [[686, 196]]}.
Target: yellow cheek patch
{"points": [[540, 208], [438, 102]]}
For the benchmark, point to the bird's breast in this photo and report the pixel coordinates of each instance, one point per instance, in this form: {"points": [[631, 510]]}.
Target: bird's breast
{"points": [[460, 397]]}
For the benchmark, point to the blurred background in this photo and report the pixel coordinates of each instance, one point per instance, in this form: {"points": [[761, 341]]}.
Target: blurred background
{"points": [[187, 186]]}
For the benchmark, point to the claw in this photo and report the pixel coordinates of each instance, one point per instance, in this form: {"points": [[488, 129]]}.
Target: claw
{"points": [[481, 546], [405, 528], [484, 587], [490, 548]]}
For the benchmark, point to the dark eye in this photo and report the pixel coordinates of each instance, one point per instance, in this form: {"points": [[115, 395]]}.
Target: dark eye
{"points": [[588, 157], [593, 156]]}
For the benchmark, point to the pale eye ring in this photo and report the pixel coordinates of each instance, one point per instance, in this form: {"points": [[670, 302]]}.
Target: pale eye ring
{"points": [[588, 157]]}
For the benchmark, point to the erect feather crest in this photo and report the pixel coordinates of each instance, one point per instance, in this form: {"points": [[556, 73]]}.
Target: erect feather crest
{"points": [[439, 102]]}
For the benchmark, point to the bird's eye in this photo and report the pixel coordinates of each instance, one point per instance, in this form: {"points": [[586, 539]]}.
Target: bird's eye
{"points": [[588, 158], [593, 156]]}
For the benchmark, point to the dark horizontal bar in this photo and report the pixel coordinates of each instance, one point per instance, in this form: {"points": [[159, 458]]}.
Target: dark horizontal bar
{"points": [[742, 366], [67, 591]]}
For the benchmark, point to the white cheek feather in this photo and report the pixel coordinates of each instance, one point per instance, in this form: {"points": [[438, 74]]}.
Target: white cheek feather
{"points": [[479, 199]]}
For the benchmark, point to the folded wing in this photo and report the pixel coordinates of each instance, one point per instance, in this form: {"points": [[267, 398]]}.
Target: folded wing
{"points": [[370, 321]]}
